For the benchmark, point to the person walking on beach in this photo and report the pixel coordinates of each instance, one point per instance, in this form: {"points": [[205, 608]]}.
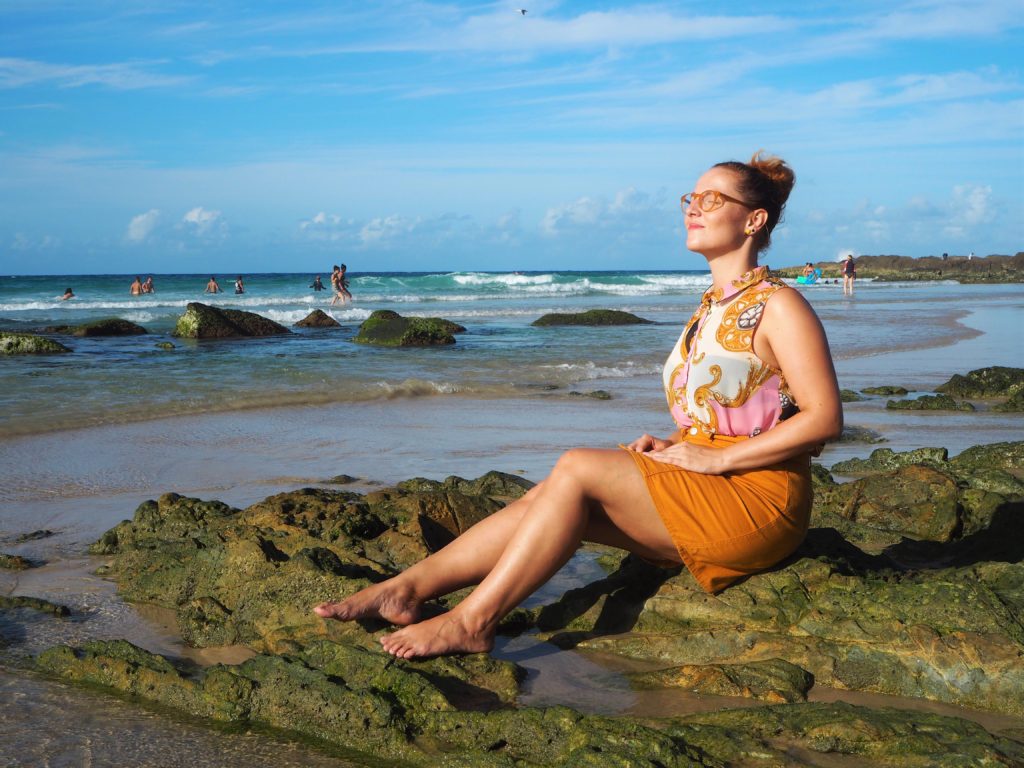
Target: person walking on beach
{"points": [[728, 494], [212, 287], [849, 275], [239, 285], [135, 289]]}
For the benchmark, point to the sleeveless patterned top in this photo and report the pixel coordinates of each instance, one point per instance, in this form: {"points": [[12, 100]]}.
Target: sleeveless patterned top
{"points": [[714, 382]]}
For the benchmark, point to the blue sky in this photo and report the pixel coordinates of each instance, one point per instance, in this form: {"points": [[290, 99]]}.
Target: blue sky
{"points": [[180, 136]]}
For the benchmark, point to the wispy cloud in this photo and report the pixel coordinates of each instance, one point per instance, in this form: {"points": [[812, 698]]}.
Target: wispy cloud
{"points": [[140, 227], [19, 73]]}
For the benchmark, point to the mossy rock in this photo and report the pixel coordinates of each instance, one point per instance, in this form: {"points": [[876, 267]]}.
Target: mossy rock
{"points": [[849, 396], [591, 317], [886, 460], [1013, 404], [28, 344], [885, 390], [112, 326], [318, 319], [596, 394], [854, 434], [14, 562], [201, 321], [774, 680], [8, 602], [164, 345], [995, 381], [386, 328], [929, 403]]}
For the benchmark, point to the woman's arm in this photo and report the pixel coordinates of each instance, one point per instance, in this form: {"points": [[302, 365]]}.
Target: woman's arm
{"points": [[791, 338]]}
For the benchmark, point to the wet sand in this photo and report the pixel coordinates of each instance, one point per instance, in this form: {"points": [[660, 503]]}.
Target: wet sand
{"points": [[80, 483]]}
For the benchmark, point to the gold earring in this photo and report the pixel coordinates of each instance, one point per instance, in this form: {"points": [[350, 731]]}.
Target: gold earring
{"points": [[749, 231]]}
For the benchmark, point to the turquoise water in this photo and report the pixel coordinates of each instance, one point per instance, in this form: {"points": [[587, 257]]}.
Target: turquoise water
{"points": [[111, 380]]}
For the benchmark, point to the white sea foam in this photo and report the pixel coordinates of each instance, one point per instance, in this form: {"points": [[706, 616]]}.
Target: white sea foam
{"points": [[589, 370], [483, 278]]}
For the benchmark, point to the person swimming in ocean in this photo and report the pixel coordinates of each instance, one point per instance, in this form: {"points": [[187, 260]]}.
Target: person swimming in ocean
{"points": [[239, 285], [212, 286], [317, 285], [68, 294]]}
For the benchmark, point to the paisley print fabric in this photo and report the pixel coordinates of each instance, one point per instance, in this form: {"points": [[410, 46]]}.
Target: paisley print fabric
{"points": [[714, 383]]}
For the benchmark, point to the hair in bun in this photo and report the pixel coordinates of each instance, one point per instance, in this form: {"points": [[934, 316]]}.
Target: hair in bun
{"points": [[764, 182]]}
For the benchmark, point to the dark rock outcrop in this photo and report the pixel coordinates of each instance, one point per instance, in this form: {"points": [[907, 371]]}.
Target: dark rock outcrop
{"points": [[885, 389], [929, 403], [590, 317], [201, 321], [112, 326], [28, 344], [318, 319], [389, 329]]}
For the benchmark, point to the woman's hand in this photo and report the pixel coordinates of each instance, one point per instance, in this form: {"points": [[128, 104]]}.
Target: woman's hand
{"points": [[646, 443], [696, 458]]}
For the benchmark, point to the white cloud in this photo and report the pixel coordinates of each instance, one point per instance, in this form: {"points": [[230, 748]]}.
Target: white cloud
{"points": [[200, 218], [124, 76], [140, 227], [972, 204]]}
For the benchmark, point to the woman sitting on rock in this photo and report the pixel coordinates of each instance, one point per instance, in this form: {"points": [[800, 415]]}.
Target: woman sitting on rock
{"points": [[728, 494]]}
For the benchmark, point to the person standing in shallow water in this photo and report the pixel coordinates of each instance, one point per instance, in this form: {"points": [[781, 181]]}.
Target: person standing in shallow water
{"points": [[849, 275], [212, 286], [728, 494]]}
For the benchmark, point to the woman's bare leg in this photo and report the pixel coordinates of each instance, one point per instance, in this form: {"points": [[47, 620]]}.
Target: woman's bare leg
{"points": [[462, 563], [590, 491]]}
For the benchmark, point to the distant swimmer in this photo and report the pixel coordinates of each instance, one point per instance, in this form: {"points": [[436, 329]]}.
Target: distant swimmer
{"points": [[147, 287], [212, 287], [68, 294], [316, 285], [136, 287], [239, 285]]}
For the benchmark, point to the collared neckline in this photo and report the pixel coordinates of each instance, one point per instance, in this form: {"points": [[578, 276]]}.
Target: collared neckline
{"points": [[752, 277]]}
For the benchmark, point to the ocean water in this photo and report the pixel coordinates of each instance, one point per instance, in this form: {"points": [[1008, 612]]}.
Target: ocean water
{"points": [[125, 379]]}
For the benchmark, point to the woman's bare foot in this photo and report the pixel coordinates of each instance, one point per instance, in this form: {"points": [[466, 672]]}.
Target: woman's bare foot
{"points": [[394, 603], [445, 635]]}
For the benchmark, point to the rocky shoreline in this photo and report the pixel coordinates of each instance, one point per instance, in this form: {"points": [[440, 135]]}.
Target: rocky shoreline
{"points": [[986, 269], [910, 583]]}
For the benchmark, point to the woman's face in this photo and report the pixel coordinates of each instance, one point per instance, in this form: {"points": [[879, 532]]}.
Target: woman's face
{"points": [[722, 230]]}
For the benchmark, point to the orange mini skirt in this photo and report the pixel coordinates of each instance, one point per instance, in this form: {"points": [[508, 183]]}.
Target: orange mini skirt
{"points": [[729, 526]]}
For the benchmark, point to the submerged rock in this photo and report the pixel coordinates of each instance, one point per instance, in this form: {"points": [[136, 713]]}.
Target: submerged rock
{"points": [[164, 345], [28, 344], [201, 321], [595, 394], [929, 403], [111, 326], [8, 602], [14, 562], [389, 329], [591, 317], [849, 396], [318, 319], [774, 680]]}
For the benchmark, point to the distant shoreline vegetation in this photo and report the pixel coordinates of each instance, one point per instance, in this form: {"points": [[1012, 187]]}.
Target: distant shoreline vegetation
{"points": [[962, 269]]}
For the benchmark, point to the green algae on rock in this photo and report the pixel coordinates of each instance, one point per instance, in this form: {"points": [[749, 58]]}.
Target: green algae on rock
{"points": [[9, 602], [386, 328], [886, 389], [111, 326], [929, 403], [773, 680], [252, 576], [201, 321], [591, 317], [318, 319], [14, 562], [994, 381], [849, 396], [28, 344]]}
